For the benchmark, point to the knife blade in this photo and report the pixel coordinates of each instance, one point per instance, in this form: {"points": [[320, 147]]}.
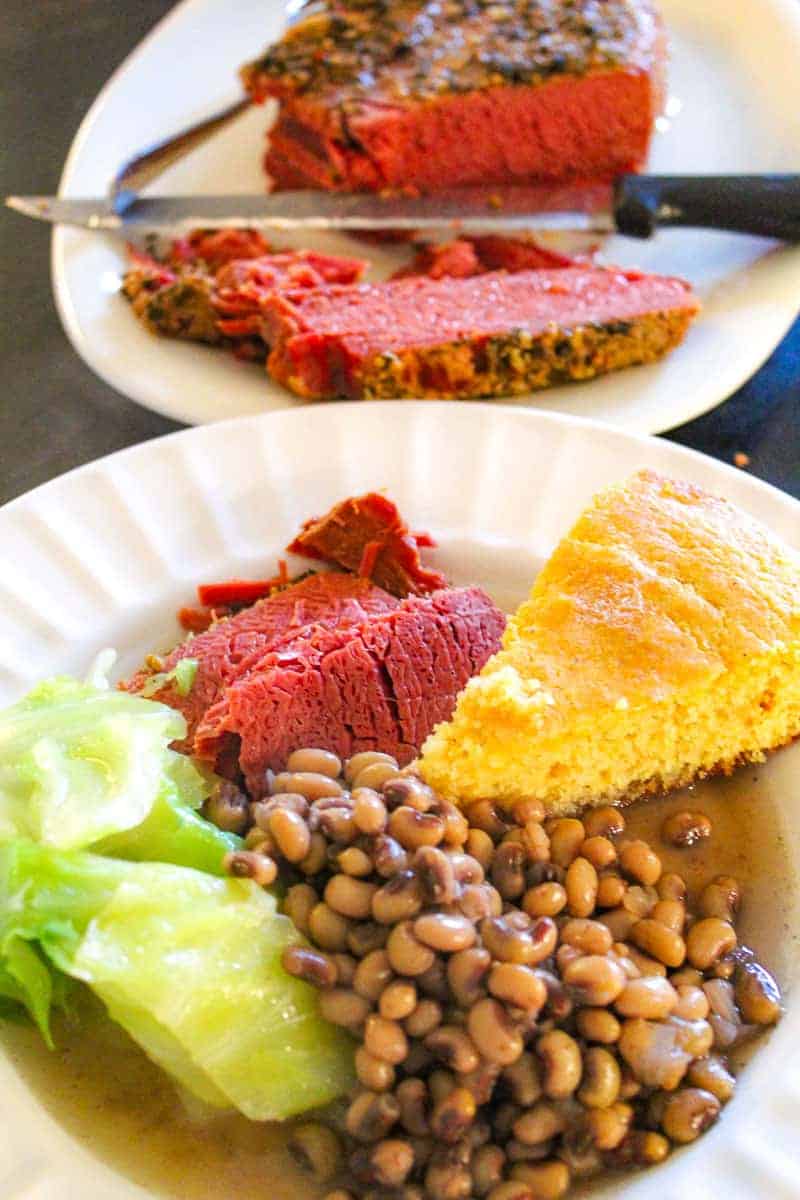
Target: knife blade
{"points": [[635, 205], [476, 211]]}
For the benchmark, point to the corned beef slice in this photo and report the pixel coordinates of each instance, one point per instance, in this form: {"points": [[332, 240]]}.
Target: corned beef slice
{"points": [[367, 534], [232, 647], [486, 335], [415, 93], [203, 294], [380, 685]]}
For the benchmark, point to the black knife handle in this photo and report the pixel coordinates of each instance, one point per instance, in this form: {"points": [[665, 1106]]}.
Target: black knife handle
{"points": [[767, 205]]}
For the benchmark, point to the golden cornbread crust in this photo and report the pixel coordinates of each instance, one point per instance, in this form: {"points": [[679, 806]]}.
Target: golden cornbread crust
{"points": [[660, 643], [521, 362]]}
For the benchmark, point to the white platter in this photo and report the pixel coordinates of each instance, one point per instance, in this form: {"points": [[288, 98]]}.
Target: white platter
{"points": [[734, 107], [106, 554]]}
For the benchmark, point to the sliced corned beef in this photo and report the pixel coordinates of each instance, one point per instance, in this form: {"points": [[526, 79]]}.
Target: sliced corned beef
{"points": [[492, 334], [368, 535], [428, 95], [476, 256], [380, 685], [232, 647], [201, 293]]}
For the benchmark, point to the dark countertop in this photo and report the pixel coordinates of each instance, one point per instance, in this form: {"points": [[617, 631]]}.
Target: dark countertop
{"points": [[55, 414]]}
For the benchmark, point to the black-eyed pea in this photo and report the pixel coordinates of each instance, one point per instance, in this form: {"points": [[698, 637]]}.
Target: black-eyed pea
{"points": [[373, 974], [407, 954], [298, 903], [445, 932], [328, 929], [590, 937], [600, 851], [320, 762], [594, 980], [651, 997], [366, 758], [692, 1003], [373, 1073], [689, 1113], [597, 1025], [566, 837], [580, 884], [694, 1037], [398, 789], [600, 1081], [453, 1115], [466, 974], [560, 1056], [524, 1079], [536, 842], [446, 1180], [605, 821], [399, 899], [426, 1017], [317, 856], [354, 861], [544, 900], [493, 1033], [510, 939], [671, 913], [365, 937], [390, 1163], [540, 1123], [251, 864], [452, 1046], [611, 889], [412, 1098], [686, 977], [511, 1189], [707, 941], [721, 898], [519, 986], [653, 1052], [311, 784], [369, 811], [385, 1039], [644, 964], [757, 994], [371, 1116], [480, 846], [660, 942], [440, 1084], [619, 921], [609, 1126], [487, 1167], [508, 869], [398, 1000], [434, 871], [639, 900], [671, 887], [342, 1006], [412, 828], [548, 1180], [685, 828], [638, 861], [711, 1073], [317, 1149], [484, 815], [311, 965], [566, 955], [350, 897]]}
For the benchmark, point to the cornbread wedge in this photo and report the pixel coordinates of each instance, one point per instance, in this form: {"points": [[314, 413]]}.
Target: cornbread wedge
{"points": [[659, 644]]}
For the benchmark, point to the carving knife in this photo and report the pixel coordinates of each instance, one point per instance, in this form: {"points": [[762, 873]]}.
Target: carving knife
{"points": [[635, 205]]}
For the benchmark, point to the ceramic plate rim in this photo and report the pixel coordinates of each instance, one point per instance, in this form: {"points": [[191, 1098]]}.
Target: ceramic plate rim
{"points": [[178, 408]]}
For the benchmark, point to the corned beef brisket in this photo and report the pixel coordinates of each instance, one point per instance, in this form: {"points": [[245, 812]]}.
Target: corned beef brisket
{"points": [[368, 535], [415, 93], [491, 334], [379, 685], [233, 647]]}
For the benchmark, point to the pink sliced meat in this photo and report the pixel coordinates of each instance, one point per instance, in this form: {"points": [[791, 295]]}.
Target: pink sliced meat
{"points": [[379, 685]]}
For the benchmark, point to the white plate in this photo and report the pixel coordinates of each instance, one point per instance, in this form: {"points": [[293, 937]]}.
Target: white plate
{"points": [[735, 106], [106, 554]]}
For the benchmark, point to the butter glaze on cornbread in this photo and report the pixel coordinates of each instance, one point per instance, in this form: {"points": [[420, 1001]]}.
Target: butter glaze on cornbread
{"points": [[660, 643]]}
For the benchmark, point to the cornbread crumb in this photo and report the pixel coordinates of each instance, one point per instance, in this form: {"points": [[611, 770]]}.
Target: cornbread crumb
{"points": [[659, 644]]}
